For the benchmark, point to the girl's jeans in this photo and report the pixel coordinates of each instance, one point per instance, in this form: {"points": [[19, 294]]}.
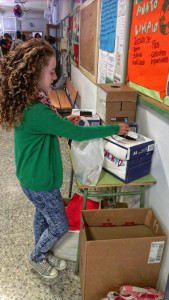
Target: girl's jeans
{"points": [[50, 220]]}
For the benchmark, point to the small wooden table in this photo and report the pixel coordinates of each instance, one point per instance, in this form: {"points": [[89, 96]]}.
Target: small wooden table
{"points": [[106, 180]]}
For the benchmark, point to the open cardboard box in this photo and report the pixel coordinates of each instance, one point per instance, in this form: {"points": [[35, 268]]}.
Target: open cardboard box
{"points": [[119, 247]]}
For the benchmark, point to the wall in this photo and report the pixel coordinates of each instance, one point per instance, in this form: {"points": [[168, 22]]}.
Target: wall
{"points": [[34, 22], [65, 8], [86, 88], [155, 126], [30, 21]]}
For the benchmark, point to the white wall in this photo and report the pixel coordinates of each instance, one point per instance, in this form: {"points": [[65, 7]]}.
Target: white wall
{"points": [[65, 8], [86, 88], [155, 126], [33, 24], [34, 21]]}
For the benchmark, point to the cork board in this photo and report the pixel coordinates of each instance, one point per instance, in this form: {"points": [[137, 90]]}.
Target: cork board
{"points": [[89, 38]]}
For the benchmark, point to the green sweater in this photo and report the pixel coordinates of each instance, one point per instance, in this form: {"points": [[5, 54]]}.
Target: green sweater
{"points": [[37, 154]]}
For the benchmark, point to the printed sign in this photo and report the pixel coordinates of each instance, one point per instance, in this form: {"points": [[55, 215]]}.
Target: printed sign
{"points": [[148, 60], [108, 25]]}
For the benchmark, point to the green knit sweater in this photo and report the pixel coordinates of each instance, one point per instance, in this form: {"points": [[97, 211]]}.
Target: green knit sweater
{"points": [[37, 154]]}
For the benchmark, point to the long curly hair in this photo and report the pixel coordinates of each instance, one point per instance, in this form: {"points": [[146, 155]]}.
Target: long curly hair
{"points": [[21, 70]]}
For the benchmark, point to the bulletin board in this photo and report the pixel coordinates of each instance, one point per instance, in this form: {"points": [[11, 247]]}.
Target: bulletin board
{"points": [[148, 59], [89, 38]]}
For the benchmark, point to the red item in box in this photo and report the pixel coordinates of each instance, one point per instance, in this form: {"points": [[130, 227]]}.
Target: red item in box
{"points": [[73, 210]]}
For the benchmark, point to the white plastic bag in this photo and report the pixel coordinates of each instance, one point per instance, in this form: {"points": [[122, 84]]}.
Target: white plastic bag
{"points": [[88, 159]]}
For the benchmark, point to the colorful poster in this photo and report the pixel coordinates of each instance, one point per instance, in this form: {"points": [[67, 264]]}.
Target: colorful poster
{"points": [[74, 37], [76, 53], [71, 23], [108, 25], [148, 59]]}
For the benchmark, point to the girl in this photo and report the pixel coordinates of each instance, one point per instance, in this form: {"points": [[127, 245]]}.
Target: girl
{"points": [[28, 73]]}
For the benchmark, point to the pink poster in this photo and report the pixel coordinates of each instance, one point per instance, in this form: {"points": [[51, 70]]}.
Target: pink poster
{"points": [[71, 23], [76, 53]]}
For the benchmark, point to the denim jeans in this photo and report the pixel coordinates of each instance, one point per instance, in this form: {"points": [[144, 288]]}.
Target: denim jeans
{"points": [[50, 220]]}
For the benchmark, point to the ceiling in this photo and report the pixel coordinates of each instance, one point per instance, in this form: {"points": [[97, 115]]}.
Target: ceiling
{"points": [[34, 5]]}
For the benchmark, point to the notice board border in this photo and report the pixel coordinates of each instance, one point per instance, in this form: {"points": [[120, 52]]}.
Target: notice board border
{"points": [[92, 77]]}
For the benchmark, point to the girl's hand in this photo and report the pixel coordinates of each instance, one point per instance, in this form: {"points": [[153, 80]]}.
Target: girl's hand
{"points": [[74, 118], [124, 129]]}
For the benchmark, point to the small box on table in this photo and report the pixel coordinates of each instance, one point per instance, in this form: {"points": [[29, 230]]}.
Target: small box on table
{"points": [[115, 102], [91, 116], [119, 247], [128, 160]]}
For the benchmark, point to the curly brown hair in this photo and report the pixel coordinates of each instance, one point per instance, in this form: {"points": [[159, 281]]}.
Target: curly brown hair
{"points": [[21, 70]]}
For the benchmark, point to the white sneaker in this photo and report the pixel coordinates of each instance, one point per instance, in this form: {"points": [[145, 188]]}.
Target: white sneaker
{"points": [[44, 269], [56, 262]]}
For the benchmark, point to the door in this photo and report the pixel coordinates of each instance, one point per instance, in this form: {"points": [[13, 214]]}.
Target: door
{"points": [[54, 31]]}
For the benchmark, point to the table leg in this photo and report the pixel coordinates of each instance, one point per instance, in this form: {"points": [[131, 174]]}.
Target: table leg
{"points": [[78, 249], [84, 199], [142, 196], [78, 258], [70, 184]]}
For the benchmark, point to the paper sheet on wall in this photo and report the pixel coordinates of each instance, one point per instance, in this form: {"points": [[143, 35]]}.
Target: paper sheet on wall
{"points": [[120, 41], [121, 8], [120, 33], [63, 44], [118, 68], [121, 24], [108, 24], [102, 66], [110, 67]]}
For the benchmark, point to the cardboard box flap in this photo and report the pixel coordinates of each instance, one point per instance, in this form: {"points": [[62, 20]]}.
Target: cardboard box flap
{"points": [[118, 92], [122, 217], [118, 217], [120, 232], [152, 221]]}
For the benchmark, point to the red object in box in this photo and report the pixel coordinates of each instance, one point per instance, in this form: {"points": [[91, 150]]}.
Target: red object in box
{"points": [[73, 210]]}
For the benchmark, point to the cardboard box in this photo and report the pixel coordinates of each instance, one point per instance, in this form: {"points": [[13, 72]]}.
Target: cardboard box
{"points": [[128, 160], [115, 102], [119, 247]]}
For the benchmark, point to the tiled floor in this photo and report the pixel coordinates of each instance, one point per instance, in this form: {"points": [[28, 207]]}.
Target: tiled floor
{"points": [[17, 280]]}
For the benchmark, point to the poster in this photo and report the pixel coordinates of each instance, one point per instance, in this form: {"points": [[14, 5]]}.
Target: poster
{"points": [[102, 66], [74, 37], [148, 60], [108, 24], [110, 68]]}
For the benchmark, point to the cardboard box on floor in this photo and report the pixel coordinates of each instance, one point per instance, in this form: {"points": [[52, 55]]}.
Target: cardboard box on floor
{"points": [[115, 102], [119, 247]]}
